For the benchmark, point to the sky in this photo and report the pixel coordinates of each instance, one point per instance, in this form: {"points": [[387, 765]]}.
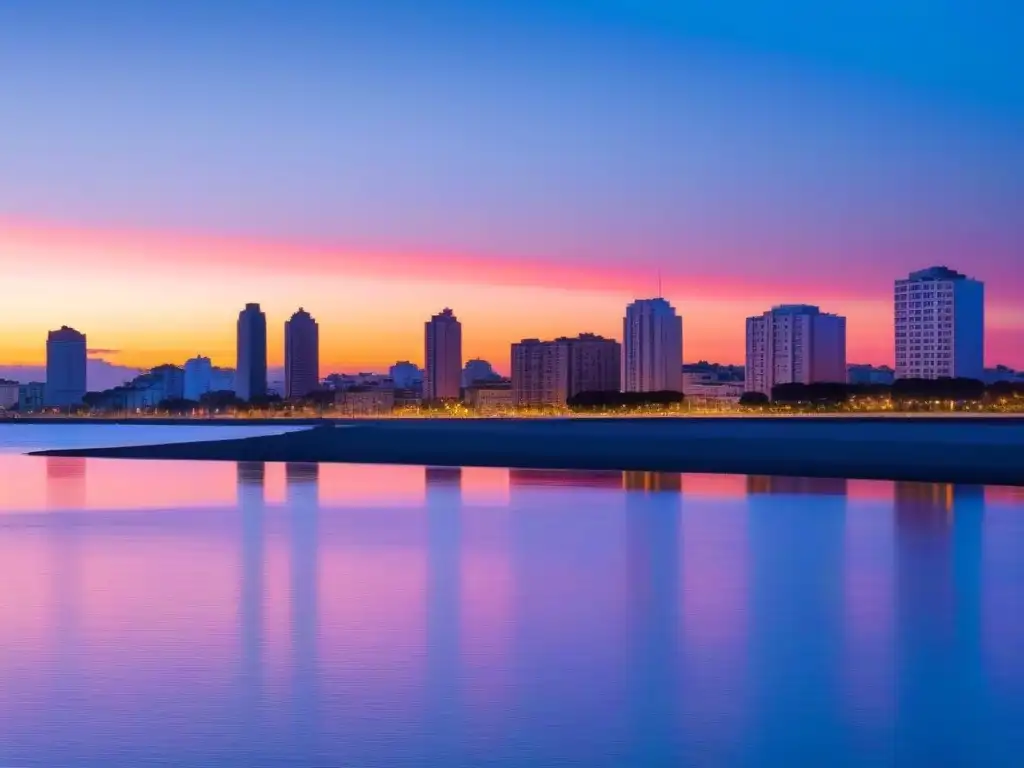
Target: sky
{"points": [[534, 165]]}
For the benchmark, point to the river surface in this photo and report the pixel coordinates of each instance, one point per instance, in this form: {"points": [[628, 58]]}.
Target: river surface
{"points": [[262, 615]]}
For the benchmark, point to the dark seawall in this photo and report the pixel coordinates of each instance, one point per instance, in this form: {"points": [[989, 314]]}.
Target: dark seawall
{"points": [[983, 451]]}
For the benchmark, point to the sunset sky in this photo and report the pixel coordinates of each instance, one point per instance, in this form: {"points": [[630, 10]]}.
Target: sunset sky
{"points": [[534, 165]]}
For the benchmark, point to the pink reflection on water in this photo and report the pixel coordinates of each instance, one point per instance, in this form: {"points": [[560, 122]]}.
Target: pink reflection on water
{"points": [[486, 617]]}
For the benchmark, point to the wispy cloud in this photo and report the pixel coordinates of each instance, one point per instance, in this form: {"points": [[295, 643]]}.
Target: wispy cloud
{"points": [[99, 352]]}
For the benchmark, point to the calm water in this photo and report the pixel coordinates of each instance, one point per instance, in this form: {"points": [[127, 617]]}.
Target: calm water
{"points": [[201, 614]]}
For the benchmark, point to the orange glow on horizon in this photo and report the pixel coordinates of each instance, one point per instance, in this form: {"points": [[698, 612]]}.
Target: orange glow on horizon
{"points": [[150, 298]]}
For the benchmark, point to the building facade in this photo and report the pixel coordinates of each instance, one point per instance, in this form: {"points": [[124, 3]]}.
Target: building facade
{"points": [[251, 348], [301, 356], [652, 347], [406, 375], [366, 401], [65, 367], [939, 325], [443, 355], [222, 379], [794, 344], [869, 374], [198, 377], [489, 397], [548, 373], [478, 371], [168, 381], [31, 397], [9, 394]]}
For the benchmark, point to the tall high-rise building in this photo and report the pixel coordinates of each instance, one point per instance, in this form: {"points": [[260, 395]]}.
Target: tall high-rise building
{"points": [[550, 372], [251, 369], [301, 355], [652, 347], [443, 354], [795, 344], [198, 377], [65, 367], [940, 325]]}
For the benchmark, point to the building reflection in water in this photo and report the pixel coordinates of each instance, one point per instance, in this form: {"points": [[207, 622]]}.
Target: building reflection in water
{"points": [[796, 582], [251, 476], [814, 486], [65, 482], [652, 481], [525, 478], [65, 489], [444, 544], [653, 621], [937, 527], [443, 476], [302, 482]]}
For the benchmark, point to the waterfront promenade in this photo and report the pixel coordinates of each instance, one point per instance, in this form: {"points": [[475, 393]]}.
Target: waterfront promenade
{"points": [[972, 449]]}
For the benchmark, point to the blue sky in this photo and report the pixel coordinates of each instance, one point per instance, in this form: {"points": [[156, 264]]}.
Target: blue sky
{"points": [[701, 138]]}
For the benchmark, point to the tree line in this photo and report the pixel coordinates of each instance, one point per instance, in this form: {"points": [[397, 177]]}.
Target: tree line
{"points": [[902, 391]]}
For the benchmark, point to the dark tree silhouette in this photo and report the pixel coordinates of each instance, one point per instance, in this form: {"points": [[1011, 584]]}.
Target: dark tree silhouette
{"points": [[754, 399]]}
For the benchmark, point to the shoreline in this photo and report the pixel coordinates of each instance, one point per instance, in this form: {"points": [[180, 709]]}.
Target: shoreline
{"points": [[937, 449]]}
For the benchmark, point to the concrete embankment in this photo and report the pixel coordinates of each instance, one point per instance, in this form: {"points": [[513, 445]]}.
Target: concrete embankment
{"points": [[989, 451]]}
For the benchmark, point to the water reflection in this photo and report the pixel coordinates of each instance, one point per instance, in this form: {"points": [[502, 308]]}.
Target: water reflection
{"points": [[65, 482], [599, 619], [251, 504], [652, 481], [815, 486], [540, 478]]}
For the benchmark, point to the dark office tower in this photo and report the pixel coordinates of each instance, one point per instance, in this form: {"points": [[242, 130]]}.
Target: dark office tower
{"points": [[251, 368], [65, 367], [301, 355], [443, 353]]}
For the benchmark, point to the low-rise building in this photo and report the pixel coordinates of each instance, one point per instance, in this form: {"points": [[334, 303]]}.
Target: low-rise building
{"points": [[869, 374], [489, 398], [550, 372], [365, 401], [31, 397], [9, 391], [720, 391]]}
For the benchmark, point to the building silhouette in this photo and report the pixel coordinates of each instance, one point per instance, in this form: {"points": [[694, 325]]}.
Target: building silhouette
{"points": [[795, 344], [301, 355], [198, 377], [478, 371], [251, 368], [550, 372], [406, 375], [652, 347], [443, 356], [65, 367], [939, 325]]}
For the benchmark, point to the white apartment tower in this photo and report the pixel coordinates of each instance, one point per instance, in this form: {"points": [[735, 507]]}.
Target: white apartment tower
{"points": [[794, 344], [443, 352], [940, 325], [652, 347]]}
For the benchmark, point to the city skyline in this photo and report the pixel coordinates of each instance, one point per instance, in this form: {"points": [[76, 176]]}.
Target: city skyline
{"points": [[371, 160], [638, 324]]}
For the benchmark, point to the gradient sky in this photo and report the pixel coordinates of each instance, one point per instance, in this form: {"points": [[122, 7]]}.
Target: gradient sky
{"points": [[532, 164]]}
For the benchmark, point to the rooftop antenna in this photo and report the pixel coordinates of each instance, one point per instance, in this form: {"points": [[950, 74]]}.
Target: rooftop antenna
{"points": [[659, 284]]}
